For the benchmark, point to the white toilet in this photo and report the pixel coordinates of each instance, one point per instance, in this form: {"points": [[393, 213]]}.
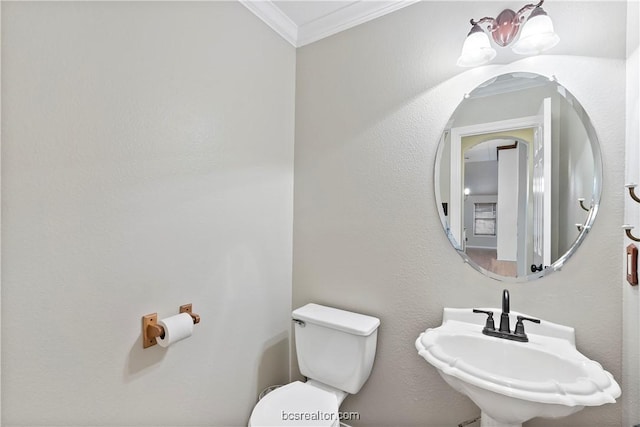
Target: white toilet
{"points": [[335, 351]]}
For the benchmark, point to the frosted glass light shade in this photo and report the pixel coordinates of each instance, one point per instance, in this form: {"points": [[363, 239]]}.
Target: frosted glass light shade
{"points": [[537, 35], [476, 50]]}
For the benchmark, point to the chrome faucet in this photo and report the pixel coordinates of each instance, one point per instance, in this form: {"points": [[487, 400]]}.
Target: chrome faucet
{"points": [[505, 331]]}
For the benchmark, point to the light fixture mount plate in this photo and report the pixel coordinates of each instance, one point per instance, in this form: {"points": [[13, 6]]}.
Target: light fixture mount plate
{"points": [[505, 28]]}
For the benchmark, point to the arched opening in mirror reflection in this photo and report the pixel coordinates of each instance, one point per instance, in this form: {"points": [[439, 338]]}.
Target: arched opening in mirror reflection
{"points": [[497, 180], [550, 161]]}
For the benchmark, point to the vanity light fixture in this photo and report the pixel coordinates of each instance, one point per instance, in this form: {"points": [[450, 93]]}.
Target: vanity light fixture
{"points": [[537, 35]]}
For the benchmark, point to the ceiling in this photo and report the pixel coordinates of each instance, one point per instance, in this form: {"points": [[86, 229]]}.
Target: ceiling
{"points": [[301, 22]]}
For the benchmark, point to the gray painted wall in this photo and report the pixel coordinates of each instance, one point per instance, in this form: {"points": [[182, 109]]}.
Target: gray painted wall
{"points": [[147, 160], [481, 177], [482, 180]]}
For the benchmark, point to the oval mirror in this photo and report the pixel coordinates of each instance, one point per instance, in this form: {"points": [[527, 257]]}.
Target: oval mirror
{"points": [[518, 176]]}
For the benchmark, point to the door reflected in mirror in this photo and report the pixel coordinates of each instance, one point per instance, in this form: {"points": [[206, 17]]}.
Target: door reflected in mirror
{"points": [[516, 158]]}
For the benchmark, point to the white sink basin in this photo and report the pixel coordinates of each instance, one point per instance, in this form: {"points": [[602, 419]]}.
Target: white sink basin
{"points": [[511, 381]]}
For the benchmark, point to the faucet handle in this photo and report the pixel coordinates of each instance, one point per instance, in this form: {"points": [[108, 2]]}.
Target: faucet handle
{"points": [[520, 326], [490, 325]]}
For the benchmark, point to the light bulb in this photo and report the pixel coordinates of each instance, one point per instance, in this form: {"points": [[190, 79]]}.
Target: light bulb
{"points": [[476, 49], [537, 34]]}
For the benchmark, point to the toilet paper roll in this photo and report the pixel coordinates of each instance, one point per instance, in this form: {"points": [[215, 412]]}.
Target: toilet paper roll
{"points": [[176, 328]]}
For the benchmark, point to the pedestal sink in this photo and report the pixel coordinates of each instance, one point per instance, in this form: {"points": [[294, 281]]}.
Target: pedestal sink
{"points": [[511, 381]]}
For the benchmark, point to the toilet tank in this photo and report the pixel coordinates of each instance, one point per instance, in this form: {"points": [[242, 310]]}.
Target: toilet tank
{"points": [[335, 347]]}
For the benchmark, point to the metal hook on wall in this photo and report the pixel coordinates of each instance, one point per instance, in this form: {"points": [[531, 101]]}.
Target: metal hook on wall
{"points": [[627, 229], [581, 200], [632, 192]]}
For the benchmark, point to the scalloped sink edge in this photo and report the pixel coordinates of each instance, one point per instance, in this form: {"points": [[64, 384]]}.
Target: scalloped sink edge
{"points": [[546, 377]]}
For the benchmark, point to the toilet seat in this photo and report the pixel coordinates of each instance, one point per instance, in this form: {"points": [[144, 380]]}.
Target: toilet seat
{"points": [[296, 404]]}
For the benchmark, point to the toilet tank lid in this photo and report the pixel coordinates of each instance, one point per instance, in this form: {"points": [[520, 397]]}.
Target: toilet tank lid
{"points": [[342, 320]]}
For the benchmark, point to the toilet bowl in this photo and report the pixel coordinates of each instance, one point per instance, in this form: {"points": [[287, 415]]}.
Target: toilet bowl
{"points": [[297, 404], [335, 350]]}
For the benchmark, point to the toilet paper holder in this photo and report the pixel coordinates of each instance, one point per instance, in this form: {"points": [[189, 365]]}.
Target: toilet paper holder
{"points": [[151, 330]]}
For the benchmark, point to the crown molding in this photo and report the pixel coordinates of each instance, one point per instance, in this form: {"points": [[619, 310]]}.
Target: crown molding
{"points": [[347, 17], [274, 18], [342, 19]]}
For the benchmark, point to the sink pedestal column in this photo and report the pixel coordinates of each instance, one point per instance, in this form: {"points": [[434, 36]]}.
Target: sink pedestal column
{"points": [[487, 421]]}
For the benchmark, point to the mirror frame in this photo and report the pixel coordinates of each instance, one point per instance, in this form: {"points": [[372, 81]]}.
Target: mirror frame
{"points": [[596, 193]]}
